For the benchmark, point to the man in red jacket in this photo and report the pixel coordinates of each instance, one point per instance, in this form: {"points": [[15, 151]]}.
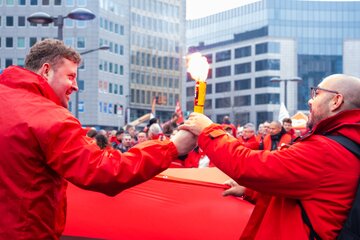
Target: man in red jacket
{"points": [[42, 145], [316, 170]]}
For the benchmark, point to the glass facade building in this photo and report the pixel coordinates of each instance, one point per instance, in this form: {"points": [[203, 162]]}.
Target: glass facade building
{"points": [[319, 29]]}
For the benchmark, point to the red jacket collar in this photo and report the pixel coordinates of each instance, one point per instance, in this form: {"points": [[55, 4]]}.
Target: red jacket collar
{"points": [[20, 78]]}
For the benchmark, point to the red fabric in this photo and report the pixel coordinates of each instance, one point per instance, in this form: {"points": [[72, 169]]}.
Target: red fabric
{"points": [[251, 142], [316, 170], [42, 144], [229, 125], [164, 208]]}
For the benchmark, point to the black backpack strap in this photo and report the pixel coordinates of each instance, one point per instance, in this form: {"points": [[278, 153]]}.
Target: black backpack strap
{"points": [[313, 235], [354, 148], [346, 143]]}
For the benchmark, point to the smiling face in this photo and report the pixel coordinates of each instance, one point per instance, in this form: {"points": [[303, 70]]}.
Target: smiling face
{"points": [[62, 79]]}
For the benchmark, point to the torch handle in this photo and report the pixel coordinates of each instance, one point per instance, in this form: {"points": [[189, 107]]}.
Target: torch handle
{"points": [[200, 92]]}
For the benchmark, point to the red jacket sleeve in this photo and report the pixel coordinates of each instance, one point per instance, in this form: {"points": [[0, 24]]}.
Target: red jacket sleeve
{"points": [[79, 160], [294, 172]]}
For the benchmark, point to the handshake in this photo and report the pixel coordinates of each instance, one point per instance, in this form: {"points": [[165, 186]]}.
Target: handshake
{"points": [[186, 138]]}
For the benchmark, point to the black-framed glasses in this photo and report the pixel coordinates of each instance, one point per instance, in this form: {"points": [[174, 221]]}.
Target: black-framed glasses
{"points": [[313, 91]]}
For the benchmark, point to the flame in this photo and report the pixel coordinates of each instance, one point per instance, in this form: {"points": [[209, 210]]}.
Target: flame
{"points": [[198, 67]]}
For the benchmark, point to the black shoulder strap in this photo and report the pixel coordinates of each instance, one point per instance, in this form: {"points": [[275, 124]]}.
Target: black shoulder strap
{"points": [[351, 146], [347, 143]]}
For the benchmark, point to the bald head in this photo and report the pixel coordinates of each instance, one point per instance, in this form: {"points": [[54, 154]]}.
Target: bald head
{"points": [[346, 85], [334, 94]]}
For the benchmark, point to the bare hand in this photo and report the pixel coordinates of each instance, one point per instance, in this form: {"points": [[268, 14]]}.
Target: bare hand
{"points": [[234, 190], [184, 141], [196, 123]]}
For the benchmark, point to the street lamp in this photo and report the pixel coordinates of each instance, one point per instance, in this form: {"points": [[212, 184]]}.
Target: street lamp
{"points": [[285, 80], [77, 76], [81, 14]]}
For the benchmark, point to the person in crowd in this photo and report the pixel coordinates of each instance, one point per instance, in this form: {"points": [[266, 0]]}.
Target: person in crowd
{"points": [[102, 141], [277, 138], [91, 133], [126, 143], [248, 138], [263, 130], [155, 132], [151, 122], [118, 137], [287, 125], [141, 136], [316, 170], [132, 131], [170, 125], [43, 146], [227, 123]]}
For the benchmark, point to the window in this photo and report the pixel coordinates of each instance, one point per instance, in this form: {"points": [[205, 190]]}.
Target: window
{"points": [[9, 42], [263, 116], [32, 41], [222, 87], [70, 2], [8, 62], [267, 64], [80, 42], [190, 91], [45, 2], [21, 21], [209, 58], [243, 52], [21, 62], [81, 85], [9, 21], [265, 82], [242, 100], [223, 102], [268, 47], [81, 3], [21, 2], [223, 56], [243, 68], [21, 42], [33, 2], [57, 2], [242, 118], [209, 89], [223, 71], [242, 84], [267, 98]]}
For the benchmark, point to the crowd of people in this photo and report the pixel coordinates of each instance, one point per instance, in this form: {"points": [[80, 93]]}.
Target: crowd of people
{"points": [[269, 136]]}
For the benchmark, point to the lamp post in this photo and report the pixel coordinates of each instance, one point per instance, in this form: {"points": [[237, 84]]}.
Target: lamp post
{"points": [[285, 80], [81, 14], [77, 77]]}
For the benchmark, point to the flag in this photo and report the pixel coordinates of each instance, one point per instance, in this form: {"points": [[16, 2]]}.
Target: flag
{"points": [[179, 112], [283, 112]]}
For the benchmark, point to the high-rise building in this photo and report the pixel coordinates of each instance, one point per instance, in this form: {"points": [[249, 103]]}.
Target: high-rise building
{"points": [[145, 40], [252, 44]]}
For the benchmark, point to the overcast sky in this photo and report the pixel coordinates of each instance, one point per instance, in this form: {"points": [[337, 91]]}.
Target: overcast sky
{"points": [[201, 8]]}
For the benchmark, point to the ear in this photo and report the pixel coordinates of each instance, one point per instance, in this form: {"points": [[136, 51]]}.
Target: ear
{"points": [[336, 102], [44, 70]]}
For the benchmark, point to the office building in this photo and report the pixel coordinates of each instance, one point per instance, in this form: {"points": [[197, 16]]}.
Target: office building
{"points": [[267, 39]]}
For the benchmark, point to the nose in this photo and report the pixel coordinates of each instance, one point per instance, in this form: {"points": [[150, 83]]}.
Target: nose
{"points": [[310, 102], [75, 86]]}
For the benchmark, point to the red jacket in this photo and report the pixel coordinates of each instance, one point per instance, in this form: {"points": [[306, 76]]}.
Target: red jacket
{"points": [[317, 170], [251, 142], [42, 145], [284, 140]]}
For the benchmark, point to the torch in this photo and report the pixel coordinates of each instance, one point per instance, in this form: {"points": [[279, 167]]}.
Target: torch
{"points": [[198, 68]]}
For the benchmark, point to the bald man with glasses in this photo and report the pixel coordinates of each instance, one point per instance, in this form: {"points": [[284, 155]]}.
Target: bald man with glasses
{"points": [[316, 170]]}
